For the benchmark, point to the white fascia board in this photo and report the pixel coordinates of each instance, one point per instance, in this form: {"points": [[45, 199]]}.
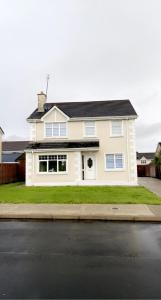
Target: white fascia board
{"points": [[104, 118], [61, 150], [33, 120], [85, 118], [54, 108]]}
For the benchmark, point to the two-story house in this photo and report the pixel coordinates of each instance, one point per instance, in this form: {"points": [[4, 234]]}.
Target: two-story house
{"points": [[82, 143], [1, 133]]}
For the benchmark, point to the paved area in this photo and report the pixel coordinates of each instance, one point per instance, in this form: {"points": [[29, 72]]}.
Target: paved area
{"points": [[80, 260], [153, 184], [136, 212]]}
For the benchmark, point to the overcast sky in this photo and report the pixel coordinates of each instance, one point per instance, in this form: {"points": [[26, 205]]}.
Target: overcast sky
{"points": [[92, 49]]}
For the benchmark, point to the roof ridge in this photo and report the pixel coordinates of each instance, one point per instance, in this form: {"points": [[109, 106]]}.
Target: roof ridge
{"points": [[89, 101]]}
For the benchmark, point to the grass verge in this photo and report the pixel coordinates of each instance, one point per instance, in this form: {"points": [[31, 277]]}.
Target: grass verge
{"points": [[18, 193]]}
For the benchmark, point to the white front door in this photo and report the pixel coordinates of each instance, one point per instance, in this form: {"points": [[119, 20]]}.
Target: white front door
{"points": [[89, 167]]}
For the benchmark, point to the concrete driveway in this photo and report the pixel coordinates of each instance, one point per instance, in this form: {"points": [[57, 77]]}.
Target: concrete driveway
{"points": [[80, 260], [153, 184]]}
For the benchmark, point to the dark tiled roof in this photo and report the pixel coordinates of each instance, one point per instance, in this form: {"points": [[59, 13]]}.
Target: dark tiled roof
{"points": [[63, 145], [90, 109], [11, 157], [148, 155], [14, 145]]}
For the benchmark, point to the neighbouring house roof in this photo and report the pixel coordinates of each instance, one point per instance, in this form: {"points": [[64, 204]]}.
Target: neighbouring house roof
{"points": [[63, 145], [1, 130], [147, 155], [10, 157], [22, 156], [13, 146], [87, 109]]}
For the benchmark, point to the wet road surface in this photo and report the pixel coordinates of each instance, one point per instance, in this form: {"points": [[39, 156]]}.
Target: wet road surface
{"points": [[70, 259]]}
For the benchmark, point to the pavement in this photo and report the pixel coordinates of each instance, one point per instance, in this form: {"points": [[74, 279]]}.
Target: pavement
{"points": [[136, 212], [80, 260], [153, 184]]}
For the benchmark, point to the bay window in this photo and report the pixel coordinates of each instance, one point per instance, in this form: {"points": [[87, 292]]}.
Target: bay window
{"points": [[53, 163]]}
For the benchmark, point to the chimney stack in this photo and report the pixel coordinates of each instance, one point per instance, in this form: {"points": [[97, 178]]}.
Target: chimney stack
{"points": [[41, 101]]}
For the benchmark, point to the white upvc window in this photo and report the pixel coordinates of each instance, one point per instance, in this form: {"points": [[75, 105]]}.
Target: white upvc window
{"points": [[114, 161], [143, 161], [56, 129], [53, 163], [116, 128], [90, 129]]}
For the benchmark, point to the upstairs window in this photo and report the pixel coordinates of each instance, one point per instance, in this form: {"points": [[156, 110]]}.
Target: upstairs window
{"points": [[90, 128], [114, 161], [56, 129], [116, 128], [143, 161]]}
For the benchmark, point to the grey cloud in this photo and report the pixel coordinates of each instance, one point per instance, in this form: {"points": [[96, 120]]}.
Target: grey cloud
{"points": [[146, 131], [108, 49]]}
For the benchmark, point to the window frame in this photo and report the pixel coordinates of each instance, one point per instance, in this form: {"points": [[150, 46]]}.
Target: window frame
{"points": [[47, 160], [115, 169], [89, 121], [143, 161], [122, 131], [55, 136]]}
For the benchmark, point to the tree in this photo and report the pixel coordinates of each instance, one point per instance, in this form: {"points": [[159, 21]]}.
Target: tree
{"points": [[157, 163]]}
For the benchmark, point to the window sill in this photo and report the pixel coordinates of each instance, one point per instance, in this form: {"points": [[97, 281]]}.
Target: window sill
{"points": [[116, 136], [90, 136], [52, 173], [56, 137], [115, 170]]}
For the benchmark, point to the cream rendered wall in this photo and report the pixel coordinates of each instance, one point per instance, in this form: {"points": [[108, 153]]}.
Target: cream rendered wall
{"points": [[108, 145], [33, 177], [111, 145], [74, 129]]}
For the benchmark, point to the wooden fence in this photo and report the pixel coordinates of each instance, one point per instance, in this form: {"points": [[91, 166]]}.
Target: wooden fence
{"points": [[11, 172], [149, 171]]}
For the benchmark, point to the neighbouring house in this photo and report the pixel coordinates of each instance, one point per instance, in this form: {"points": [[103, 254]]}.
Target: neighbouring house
{"points": [[12, 150], [1, 133], [81, 143], [144, 158], [145, 167]]}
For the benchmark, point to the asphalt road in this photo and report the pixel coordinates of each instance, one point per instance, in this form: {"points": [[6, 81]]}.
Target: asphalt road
{"points": [[65, 259]]}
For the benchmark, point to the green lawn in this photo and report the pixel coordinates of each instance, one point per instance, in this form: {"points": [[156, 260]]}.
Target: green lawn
{"points": [[18, 193]]}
